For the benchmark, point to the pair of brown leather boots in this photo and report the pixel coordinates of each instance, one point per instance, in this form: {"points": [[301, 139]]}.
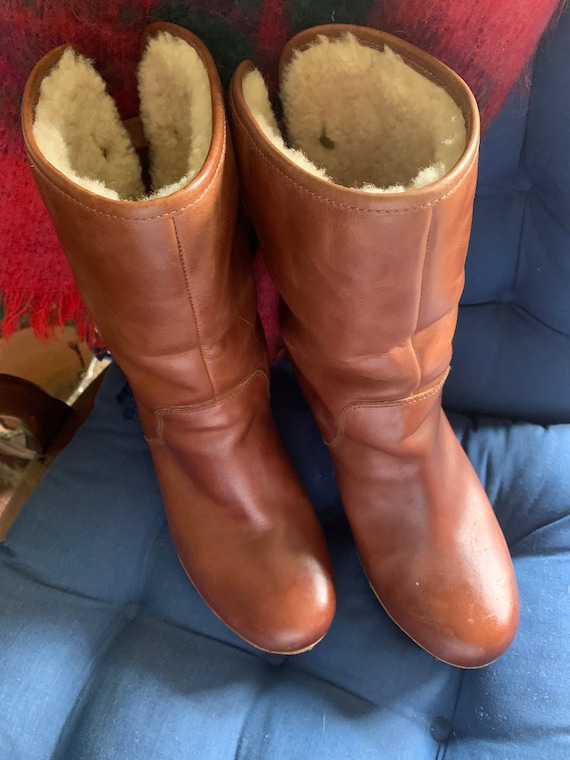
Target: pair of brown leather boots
{"points": [[364, 218]]}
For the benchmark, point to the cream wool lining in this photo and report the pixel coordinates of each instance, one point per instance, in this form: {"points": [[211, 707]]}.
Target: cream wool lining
{"points": [[361, 117], [78, 128]]}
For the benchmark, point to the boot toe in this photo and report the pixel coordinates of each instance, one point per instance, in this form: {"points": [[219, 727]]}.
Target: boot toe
{"points": [[285, 611], [461, 629]]}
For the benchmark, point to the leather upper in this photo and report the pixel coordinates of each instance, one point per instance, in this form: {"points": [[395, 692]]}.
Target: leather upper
{"points": [[169, 283], [370, 285]]}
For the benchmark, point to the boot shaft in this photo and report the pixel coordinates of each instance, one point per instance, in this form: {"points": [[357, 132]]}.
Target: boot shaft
{"points": [[370, 281], [167, 279]]}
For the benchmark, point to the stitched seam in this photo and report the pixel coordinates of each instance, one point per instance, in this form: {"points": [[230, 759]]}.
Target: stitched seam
{"points": [[420, 300], [324, 199], [203, 405], [409, 400], [126, 217], [194, 314]]}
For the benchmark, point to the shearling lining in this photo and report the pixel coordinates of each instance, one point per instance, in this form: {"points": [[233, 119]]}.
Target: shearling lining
{"points": [[361, 117], [79, 130]]}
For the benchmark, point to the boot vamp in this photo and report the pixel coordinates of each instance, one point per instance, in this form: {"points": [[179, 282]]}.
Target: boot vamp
{"points": [[242, 524], [426, 534]]}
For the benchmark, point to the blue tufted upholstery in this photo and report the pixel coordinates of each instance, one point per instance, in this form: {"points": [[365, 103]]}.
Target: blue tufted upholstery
{"points": [[512, 344], [107, 652]]}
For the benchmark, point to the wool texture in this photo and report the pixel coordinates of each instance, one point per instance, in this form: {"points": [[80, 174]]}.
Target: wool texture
{"points": [[78, 129], [488, 43]]}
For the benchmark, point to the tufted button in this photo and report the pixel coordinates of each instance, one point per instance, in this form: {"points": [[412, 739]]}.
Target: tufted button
{"points": [[131, 611], [441, 730]]}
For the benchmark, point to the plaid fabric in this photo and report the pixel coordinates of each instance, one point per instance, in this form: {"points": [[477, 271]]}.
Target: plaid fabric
{"points": [[488, 43]]}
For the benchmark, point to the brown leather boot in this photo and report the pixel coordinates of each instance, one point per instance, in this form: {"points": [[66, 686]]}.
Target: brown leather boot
{"points": [[167, 278], [364, 218]]}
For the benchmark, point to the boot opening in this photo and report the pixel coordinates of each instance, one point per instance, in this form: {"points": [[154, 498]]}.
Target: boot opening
{"points": [[79, 130], [361, 117]]}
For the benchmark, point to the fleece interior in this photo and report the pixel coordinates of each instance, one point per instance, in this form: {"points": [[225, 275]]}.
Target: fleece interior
{"points": [[361, 117], [79, 130]]}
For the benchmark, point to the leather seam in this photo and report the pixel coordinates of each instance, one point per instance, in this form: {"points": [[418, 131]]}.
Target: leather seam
{"points": [[191, 300], [420, 299], [408, 401], [324, 199], [203, 405], [126, 218]]}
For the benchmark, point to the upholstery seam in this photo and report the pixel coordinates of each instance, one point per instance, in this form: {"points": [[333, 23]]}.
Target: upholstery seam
{"points": [[105, 642], [453, 714]]}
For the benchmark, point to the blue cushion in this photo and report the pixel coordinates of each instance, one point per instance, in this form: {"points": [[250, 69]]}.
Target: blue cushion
{"points": [[108, 653], [512, 344]]}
